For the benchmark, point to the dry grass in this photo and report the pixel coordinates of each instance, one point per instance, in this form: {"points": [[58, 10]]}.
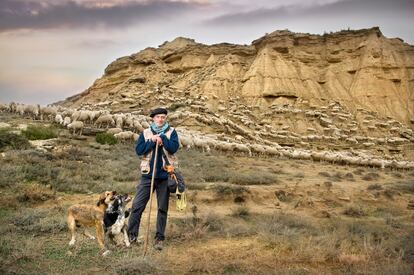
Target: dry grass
{"points": [[371, 176], [356, 211], [75, 169], [254, 177], [231, 225], [9, 140], [223, 191], [374, 186], [241, 212], [337, 176], [32, 193]]}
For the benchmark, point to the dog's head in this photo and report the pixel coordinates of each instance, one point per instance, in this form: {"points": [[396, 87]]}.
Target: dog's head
{"points": [[118, 204], [106, 197]]}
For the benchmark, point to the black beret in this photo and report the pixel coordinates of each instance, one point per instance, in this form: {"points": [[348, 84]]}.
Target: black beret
{"points": [[158, 111]]}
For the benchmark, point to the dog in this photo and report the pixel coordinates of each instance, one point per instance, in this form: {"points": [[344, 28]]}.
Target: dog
{"points": [[89, 216], [115, 218]]}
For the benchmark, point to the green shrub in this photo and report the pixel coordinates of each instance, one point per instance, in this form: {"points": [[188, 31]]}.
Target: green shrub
{"points": [[12, 140], [106, 138], [34, 132]]}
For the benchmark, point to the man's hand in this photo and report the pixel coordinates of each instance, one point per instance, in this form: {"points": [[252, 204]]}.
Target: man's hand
{"points": [[157, 139]]}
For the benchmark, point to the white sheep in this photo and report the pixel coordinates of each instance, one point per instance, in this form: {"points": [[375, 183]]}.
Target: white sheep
{"points": [[186, 141], [175, 116], [201, 143], [82, 115], [125, 136], [76, 125], [242, 148], [20, 109], [239, 138], [223, 146], [137, 126], [119, 120], [114, 131], [93, 115], [59, 119], [12, 107], [104, 119], [129, 121], [67, 112], [66, 121], [258, 149], [144, 124], [48, 112], [4, 108], [32, 110], [272, 150]]}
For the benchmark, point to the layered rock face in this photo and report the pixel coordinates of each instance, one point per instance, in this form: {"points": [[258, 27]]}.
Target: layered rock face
{"points": [[359, 69], [350, 91]]}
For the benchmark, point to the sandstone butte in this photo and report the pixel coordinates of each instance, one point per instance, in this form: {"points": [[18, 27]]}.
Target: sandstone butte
{"points": [[359, 69]]}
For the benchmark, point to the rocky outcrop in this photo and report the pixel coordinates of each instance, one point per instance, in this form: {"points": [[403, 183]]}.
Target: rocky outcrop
{"points": [[359, 69]]}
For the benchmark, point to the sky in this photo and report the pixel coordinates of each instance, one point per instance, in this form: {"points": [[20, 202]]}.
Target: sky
{"points": [[53, 49]]}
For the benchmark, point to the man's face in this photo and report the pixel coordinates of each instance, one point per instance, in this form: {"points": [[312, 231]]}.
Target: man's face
{"points": [[159, 120]]}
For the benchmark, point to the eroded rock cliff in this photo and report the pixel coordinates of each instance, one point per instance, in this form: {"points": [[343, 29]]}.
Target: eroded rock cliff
{"points": [[359, 69]]}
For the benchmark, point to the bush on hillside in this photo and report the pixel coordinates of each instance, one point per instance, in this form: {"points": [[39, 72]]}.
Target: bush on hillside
{"points": [[12, 140], [36, 132], [106, 138]]}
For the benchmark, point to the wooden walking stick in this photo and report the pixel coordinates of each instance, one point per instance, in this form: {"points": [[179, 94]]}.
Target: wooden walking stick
{"points": [[150, 202]]}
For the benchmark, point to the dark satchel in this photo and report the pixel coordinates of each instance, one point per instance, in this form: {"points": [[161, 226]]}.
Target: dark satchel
{"points": [[172, 184], [176, 181], [180, 182], [175, 178]]}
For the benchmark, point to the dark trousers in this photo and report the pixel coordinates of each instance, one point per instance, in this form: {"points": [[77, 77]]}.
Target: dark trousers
{"points": [[140, 201]]}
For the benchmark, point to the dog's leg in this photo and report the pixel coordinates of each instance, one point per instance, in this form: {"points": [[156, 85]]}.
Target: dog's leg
{"points": [[100, 235], [87, 234], [72, 228], [109, 237], [126, 239]]}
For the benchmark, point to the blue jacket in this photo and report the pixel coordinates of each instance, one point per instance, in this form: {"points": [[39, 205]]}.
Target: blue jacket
{"points": [[143, 147]]}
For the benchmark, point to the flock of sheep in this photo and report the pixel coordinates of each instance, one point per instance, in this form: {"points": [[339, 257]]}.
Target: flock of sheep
{"points": [[233, 139], [76, 120], [352, 157]]}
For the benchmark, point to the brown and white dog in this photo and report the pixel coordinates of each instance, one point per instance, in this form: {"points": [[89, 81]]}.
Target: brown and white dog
{"points": [[89, 216]]}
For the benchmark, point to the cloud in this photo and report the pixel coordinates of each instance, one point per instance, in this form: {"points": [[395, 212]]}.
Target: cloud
{"points": [[96, 43], [393, 17], [343, 7], [30, 14]]}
